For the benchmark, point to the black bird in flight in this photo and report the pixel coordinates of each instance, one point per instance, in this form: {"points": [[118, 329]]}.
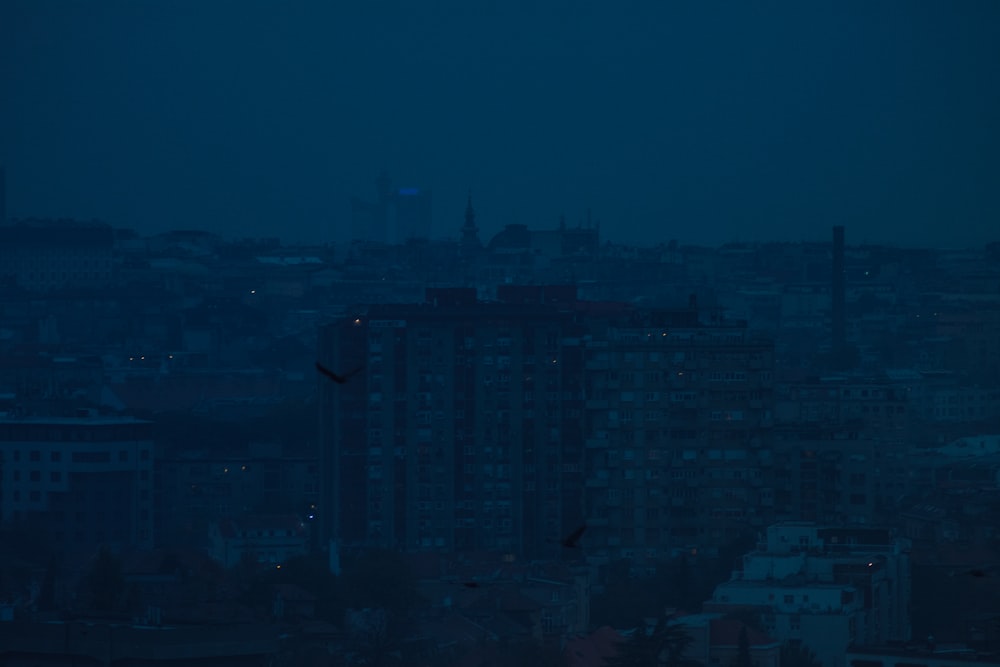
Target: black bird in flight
{"points": [[339, 379], [572, 541]]}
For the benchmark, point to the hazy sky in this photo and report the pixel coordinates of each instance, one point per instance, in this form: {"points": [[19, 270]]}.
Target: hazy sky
{"points": [[698, 120]]}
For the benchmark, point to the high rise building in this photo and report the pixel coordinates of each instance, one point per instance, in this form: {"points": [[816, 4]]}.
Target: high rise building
{"points": [[678, 416], [413, 214], [465, 429], [370, 220], [398, 214], [503, 425]]}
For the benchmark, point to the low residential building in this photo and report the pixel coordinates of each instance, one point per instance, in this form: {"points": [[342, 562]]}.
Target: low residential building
{"points": [[716, 641], [87, 479], [267, 540], [826, 587]]}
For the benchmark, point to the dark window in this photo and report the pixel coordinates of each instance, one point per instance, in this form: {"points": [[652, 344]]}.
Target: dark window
{"points": [[91, 457]]}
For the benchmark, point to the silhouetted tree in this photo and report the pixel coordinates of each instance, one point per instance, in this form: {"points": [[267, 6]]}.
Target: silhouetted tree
{"points": [[381, 581], [47, 593], [105, 581], [312, 573], [797, 654], [665, 646], [683, 587], [750, 619], [743, 658], [379, 578], [531, 654]]}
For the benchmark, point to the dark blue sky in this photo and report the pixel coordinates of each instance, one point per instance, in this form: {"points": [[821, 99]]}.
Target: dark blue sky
{"points": [[702, 121]]}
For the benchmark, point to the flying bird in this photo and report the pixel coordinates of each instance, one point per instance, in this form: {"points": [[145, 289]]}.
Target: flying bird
{"points": [[572, 541], [339, 379], [986, 571]]}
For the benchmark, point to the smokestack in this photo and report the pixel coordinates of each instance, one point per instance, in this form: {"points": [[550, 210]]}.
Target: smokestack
{"points": [[3, 196], [839, 299]]}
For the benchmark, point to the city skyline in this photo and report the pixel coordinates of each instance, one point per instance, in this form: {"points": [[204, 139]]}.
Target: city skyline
{"points": [[707, 124]]}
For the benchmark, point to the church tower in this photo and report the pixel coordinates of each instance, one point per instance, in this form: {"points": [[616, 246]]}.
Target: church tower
{"points": [[470, 233]]}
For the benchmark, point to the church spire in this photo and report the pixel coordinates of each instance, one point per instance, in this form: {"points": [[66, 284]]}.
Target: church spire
{"points": [[470, 214], [470, 233]]}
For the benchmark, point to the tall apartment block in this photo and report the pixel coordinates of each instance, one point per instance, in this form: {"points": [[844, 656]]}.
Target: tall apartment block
{"points": [[464, 431], [88, 480], [504, 425], [678, 415], [834, 442]]}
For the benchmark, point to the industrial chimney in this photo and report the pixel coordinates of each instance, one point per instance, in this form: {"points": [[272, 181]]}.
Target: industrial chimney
{"points": [[3, 196], [838, 344]]}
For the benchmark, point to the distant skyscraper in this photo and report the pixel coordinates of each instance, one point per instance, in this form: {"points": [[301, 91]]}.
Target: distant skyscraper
{"points": [[369, 220], [409, 217], [413, 214]]}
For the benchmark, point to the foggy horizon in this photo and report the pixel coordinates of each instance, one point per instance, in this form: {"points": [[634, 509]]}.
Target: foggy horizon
{"points": [[707, 124]]}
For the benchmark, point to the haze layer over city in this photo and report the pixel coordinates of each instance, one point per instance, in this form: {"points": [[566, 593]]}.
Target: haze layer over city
{"points": [[556, 334], [709, 121]]}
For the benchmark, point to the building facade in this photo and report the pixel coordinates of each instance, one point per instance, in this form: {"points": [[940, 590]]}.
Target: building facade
{"points": [[677, 421], [463, 432], [88, 480], [44, 255], [826, 587], [505, 425]]}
